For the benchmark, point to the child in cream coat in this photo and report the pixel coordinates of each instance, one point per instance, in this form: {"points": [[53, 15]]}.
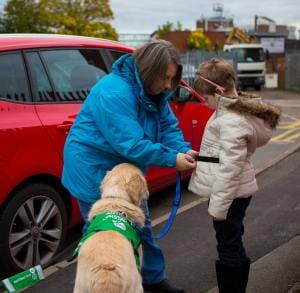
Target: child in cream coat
{"points": [[240, 124]]}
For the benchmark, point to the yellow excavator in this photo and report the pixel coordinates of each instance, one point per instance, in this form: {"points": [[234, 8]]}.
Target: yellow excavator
{"points": [[237, 36]]}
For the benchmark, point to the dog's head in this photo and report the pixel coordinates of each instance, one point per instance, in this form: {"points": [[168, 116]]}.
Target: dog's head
{"points": [[126, 181]]}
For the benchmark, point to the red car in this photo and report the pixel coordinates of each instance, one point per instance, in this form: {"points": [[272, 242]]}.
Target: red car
{"points": [[43, 81]]}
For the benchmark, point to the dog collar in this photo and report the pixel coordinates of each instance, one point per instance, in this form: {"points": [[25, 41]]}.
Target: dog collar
{"points": [[113, 221]]}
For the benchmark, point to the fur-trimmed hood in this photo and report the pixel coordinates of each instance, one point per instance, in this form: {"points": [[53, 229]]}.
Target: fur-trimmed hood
{"points": [[252, 105]]}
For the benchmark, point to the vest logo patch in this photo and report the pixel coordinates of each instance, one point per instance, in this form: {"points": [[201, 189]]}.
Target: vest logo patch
{"points": [[120, 225]]}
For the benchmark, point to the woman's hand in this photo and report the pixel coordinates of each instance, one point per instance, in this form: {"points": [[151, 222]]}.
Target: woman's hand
{"points": [[193, 153], [185, 162]]}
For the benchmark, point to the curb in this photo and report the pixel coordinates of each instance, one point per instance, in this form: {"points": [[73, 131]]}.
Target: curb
{"points": [[277, 159], [295, 288]]}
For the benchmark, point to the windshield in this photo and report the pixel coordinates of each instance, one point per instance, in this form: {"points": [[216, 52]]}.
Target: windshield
{"points": [[249, 54]]}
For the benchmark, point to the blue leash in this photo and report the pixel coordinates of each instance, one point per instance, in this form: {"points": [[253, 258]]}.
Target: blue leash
{"points": [[175, 206]]}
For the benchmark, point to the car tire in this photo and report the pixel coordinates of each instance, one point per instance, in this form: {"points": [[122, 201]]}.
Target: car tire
{"points": [[33, 228]]}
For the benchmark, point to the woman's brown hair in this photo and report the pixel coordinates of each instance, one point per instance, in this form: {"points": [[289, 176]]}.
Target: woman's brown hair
{"points": [[153, 60], [218, 71]]}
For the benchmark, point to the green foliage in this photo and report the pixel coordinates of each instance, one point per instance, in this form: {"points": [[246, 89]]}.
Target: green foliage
{"points": [[197, 40], [20, 16], [2, 27], [75, 17], [168, 27]]}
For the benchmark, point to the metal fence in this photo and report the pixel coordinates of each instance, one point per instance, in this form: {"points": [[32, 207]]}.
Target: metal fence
{"points": [[292, 71], [191, 60]]}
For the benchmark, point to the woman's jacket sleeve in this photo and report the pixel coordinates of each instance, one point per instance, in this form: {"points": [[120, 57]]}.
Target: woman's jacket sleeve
{"points": [[116, 116]]}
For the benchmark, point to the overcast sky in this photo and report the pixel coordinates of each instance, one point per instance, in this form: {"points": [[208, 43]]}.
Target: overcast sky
{"points": [[144, 16]]}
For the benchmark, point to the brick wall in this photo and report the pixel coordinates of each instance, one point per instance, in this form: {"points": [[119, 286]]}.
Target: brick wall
{"points": [[179, 39]]}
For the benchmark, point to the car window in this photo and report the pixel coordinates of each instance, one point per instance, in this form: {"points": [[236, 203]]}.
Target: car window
{"points": [[41, 87], [117, 54], [13, 78], [73, 72]]}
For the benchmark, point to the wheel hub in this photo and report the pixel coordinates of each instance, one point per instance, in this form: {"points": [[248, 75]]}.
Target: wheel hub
{"points": [[36, 232]]}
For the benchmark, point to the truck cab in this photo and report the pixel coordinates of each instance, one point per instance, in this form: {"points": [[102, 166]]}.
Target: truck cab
{"points": [[251, 65]]}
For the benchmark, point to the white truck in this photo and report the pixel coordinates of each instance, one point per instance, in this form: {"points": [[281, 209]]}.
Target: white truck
{"points": [[251, 64]]}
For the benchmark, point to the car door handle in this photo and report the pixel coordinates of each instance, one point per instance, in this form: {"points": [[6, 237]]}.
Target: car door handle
{"points": [[65, 127]]}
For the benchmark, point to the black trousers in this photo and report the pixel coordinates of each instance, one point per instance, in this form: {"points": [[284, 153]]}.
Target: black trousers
{"points": [[229, 234]]}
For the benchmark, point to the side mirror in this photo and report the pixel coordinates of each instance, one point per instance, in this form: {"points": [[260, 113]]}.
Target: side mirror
{"points": [[182, 94]]}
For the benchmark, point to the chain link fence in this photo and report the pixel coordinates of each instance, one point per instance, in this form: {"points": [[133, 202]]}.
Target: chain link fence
{"points": [[191, 61], [292, 71]]}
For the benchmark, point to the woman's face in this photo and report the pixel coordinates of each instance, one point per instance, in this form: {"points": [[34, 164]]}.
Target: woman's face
{"points": [[164, 82]]}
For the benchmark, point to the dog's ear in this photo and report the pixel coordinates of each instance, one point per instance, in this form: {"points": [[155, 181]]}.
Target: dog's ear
{"points": [[137, 188], [145, 192]]}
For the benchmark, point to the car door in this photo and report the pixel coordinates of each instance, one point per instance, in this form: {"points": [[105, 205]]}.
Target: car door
{"points": [[62, 79], [192, 113], [22, 139]]}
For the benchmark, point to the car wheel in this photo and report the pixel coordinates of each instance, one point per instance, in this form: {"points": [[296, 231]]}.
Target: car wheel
{"points": [[33, 228]]}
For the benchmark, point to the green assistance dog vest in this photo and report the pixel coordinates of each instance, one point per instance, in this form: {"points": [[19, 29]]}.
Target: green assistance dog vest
{"points": [[113, 221]]}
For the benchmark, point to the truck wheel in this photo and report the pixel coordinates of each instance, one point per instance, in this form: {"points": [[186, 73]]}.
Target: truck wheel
{"points": [[33, 227], [257, 87]]}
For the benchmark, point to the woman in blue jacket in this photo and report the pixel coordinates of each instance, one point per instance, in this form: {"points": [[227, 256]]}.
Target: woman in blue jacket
{"points": [[127, 118]]}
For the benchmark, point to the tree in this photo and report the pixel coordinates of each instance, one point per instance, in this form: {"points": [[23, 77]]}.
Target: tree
{"points": [[197, 40], [20, 16], [2, 26], [75, 17], [168, 27], [88, 17]]}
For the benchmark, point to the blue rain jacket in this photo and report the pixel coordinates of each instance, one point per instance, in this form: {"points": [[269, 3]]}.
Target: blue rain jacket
{"points": [[119, 123]]}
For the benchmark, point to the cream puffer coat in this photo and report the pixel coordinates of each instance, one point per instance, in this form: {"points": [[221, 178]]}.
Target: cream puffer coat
{"points": [[234, 131]]}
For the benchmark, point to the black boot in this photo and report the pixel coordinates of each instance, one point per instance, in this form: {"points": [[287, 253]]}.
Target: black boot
{"points": [[245, 274], [230, 279], [163, 286]]}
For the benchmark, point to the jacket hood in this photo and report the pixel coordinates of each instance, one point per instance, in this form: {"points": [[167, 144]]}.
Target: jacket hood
{"points": [[126, 67], [249, 104]]}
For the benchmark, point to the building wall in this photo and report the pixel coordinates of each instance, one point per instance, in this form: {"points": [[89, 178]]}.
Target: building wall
{"points": [[213, 24], [263, 28], [217, 39], [180, 39], [280, 64]]}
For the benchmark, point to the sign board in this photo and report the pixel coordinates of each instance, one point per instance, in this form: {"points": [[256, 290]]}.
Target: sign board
{"points": [[273, 45], [271, 80]]}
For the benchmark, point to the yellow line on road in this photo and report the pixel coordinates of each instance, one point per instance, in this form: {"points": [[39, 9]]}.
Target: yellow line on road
{"points": [[289, 125], [291, 134]]}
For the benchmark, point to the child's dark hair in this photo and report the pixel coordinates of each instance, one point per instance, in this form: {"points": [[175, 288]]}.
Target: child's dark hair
{"points": [[217, 70]]}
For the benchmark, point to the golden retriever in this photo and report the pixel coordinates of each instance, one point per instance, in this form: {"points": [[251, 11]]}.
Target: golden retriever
{"points": [[106, 260]]}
